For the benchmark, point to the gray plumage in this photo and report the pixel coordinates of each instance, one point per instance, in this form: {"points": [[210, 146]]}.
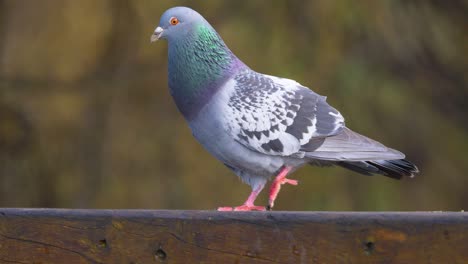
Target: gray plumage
{"points": [[257, 124]]}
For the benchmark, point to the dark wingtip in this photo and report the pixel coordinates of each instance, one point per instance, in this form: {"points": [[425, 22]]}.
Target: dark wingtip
{"points": [[395, 169]]}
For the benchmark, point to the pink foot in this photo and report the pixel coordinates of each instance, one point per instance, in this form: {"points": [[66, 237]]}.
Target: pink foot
{"points": [[276, 185], [248, 205], [242, 208], [225, 209], [290, 181]]}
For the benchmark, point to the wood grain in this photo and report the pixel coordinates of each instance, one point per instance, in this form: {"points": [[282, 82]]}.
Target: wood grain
{"points": [[144, 236]]}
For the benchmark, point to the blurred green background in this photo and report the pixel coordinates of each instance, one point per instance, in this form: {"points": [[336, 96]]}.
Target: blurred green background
{"points": [[86, 119]]}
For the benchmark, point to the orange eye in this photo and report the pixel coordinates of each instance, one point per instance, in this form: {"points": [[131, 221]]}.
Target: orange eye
{"points": [[174, 21]]}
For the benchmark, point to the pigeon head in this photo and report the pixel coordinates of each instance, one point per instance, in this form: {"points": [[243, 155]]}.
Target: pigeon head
{"points": [[178, 22], [199, 62]]}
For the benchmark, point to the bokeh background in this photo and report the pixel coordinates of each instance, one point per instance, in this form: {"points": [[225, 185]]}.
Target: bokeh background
{"points": [[86, 119]]}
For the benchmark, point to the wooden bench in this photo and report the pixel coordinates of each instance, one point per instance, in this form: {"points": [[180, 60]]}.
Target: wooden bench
{"points": [[158, 236]]}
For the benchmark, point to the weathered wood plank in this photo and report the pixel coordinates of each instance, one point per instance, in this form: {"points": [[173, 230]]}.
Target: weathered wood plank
{"points": [[143, 236]]}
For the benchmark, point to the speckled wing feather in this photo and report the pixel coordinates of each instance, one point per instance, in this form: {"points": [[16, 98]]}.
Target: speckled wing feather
{"points": [[278, 116]]}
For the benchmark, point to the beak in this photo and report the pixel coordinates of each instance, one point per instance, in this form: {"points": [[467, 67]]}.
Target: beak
{"points": [[157, 34]]}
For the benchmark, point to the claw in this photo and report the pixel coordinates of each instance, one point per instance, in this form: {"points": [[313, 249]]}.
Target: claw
{"points": [[290, 181]]}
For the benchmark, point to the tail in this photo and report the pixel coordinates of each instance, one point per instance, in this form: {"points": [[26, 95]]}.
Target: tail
{"points": [[395, 169], [361, 154]]}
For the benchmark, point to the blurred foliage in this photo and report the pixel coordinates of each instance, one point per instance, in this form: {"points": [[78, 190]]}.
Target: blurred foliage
{"points": [[86, 119]]}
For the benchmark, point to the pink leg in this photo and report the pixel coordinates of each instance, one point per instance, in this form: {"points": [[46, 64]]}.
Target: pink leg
{"points": [[248, 205], [276, 185]]}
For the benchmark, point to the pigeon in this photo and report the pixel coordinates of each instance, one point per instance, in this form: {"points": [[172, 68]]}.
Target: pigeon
{"points": [[259, 126]]}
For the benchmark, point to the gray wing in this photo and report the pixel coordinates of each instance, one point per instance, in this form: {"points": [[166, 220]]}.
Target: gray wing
{"points": [[278, 116], [350, 146]]}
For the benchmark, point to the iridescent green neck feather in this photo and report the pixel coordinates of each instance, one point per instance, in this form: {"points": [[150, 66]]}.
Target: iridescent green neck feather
{"points": [[199, 63]]}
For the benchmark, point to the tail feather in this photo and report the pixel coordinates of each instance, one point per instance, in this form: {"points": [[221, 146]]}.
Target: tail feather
{"points": [[359, 153], [395, 169]]}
